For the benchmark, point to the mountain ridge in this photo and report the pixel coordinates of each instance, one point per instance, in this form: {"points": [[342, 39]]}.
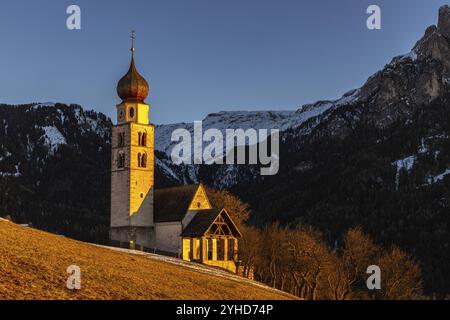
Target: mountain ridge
{"points": [[378, 159]]}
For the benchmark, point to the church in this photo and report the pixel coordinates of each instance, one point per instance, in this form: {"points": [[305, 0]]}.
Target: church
{"points": [[178, 221]]}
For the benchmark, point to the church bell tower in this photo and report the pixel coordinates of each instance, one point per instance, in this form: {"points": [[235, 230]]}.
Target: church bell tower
{"points": [[132, 166]]}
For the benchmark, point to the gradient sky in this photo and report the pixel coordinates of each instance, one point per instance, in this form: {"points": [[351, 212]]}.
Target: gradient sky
{"points": [[201, 56]]}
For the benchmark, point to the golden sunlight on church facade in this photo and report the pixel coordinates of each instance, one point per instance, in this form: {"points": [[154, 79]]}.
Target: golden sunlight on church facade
{"points": [[132, 176], [178, 221]]}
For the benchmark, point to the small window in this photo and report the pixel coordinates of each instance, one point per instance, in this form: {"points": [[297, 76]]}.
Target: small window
{"points": [[121, 114], [139, 159], [131, 112], [121, 160], [142, 195], [139, 139], [144, 161], [121, 139]]}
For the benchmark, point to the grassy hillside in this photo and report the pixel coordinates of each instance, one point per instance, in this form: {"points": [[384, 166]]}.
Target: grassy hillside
{"points": [[33, 266]]}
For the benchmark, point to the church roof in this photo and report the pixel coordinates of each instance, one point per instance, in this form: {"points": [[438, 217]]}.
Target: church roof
{"points": [[202, 222], [171, 204]]}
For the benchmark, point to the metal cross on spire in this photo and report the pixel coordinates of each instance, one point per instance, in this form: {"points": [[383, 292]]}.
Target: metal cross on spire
{"points": [[133, 37]]}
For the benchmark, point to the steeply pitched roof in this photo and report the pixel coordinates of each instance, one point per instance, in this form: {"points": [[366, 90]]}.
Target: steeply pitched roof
{"points": [[171, 204], [200, 223], [203, 220]]}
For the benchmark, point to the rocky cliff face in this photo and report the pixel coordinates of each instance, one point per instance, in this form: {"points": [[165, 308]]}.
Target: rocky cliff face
{"points": [[413, 80], [407, 83]]}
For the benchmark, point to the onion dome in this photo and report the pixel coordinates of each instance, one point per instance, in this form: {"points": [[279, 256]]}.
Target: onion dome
{"points": [[133, 86]]}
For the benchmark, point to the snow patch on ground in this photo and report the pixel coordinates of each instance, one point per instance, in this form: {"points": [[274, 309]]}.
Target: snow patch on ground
{"points": [[411, 56], [44, 105], [88, 123], [6, 154], [98, 129], [439, 177], [53, 138], [13, 174], [407, 164]]}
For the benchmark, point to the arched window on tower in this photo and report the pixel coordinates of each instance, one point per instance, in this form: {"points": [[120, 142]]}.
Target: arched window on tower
{"points": [[139, 159], [144, 139], [139, 138], [144, 161]]}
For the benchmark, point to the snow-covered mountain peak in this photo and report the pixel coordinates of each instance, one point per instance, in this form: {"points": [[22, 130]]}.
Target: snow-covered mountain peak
{"points": [[281, 120]]}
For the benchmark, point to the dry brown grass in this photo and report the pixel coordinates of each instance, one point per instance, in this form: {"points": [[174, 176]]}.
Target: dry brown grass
{"points": [[33, 266]]}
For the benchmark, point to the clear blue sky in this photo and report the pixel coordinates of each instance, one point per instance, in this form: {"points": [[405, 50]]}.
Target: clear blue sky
{"points": [[201, 56]]}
